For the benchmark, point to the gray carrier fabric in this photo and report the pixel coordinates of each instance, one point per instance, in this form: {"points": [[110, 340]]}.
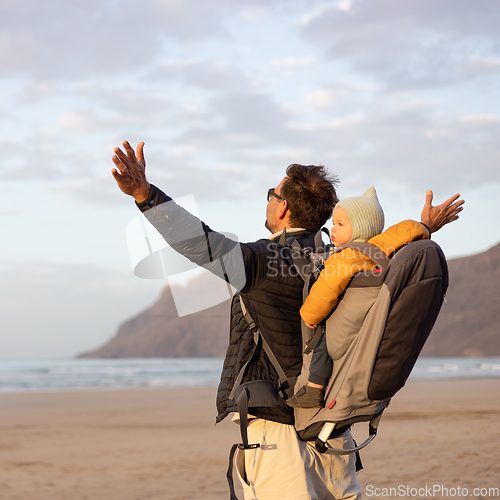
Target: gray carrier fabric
{"points": [[375, 335]]}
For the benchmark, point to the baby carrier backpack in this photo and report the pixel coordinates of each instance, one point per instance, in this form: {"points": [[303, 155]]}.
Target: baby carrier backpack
{"points": [[374, 336]]}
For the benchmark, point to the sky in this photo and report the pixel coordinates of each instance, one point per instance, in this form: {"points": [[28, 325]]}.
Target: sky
{"points": [[401, 95]]}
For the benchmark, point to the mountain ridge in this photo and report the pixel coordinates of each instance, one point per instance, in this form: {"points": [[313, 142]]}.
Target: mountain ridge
{"points": [[468, 324]]}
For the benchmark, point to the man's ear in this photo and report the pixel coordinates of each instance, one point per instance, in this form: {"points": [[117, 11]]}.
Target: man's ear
{"points": [[283, 210]]}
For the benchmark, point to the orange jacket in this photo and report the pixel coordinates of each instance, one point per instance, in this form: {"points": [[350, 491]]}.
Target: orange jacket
{"points": [[340, 268]]}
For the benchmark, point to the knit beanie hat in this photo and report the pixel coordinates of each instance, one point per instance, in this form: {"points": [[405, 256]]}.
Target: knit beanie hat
{"points": [[365, 213]]}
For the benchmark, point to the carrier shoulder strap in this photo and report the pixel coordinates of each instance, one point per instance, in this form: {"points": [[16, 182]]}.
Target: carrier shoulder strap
{"points": [[257, 334], [318, 240], [265, 345], [300, 257], [318, 332]]}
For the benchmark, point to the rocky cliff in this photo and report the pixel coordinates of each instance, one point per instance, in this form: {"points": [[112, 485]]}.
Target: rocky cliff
{"points": [[469, 324]]}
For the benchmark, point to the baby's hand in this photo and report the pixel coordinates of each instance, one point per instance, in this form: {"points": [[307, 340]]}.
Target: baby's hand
{"points": [[309, 325]]}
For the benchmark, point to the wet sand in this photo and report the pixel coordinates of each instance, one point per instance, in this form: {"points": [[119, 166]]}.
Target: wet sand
{"points": [[163, 444]]}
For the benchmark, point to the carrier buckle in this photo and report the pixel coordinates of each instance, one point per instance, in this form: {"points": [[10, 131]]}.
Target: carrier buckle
{"points": [[248, 446]]}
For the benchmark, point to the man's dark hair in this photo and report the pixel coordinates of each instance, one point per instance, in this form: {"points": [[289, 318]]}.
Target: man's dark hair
{"points": [[311, 196]]}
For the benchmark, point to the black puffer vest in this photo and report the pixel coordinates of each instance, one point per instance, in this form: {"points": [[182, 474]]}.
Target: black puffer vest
{"points": [[273, 297], [271, 288]]}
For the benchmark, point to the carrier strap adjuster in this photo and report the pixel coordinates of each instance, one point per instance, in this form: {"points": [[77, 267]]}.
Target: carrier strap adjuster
{"points": [[253, 326], [248, 446]]}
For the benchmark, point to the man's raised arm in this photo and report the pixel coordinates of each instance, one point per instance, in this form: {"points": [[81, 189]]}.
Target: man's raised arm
{"points": [[184, 232], [436, 217]]}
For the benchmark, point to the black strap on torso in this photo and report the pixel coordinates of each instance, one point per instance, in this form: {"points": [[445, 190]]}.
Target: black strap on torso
{"points": [[318, 332], [257, 335]]}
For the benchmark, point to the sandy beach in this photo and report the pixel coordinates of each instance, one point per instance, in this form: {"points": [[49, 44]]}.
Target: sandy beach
{"points": [[163, 444]]}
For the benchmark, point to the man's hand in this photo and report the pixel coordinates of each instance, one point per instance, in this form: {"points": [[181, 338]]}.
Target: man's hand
{"points": [[436, 217], [130, 174]]}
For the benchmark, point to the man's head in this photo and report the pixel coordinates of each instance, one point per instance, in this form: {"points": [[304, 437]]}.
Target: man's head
{"points": [[306, 198]]}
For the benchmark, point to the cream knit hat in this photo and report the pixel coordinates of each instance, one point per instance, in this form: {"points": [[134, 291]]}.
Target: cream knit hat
{"points": [[365, 213]]}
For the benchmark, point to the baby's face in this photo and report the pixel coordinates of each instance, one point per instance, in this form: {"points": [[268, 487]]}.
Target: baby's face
{"points": [[342, 227]]}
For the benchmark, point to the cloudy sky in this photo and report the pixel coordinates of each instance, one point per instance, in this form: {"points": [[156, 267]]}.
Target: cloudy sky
{"points": [[399, 94]]}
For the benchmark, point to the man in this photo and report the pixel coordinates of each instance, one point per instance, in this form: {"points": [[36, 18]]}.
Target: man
{"points": [[283, 466]]}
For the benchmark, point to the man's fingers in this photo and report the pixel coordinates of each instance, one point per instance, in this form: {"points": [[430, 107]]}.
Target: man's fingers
{"points": [[453, 208], [458, 205], [140, 153], [130, 152], [428, 199], [118, 162], [116, 174], [451, 205], [122, 156], [451, 200]]}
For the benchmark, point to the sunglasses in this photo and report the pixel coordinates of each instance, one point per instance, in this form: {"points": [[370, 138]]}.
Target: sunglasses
{"points": [[271, 193]]}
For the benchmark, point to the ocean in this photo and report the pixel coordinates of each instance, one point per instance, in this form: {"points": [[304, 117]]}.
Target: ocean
{"points": [[42, 375]]}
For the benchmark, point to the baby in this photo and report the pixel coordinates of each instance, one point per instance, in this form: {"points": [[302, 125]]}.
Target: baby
{"points": [[359, 218]]}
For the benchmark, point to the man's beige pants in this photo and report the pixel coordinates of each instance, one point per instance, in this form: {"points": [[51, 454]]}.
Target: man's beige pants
{"points": [[284, 467]]}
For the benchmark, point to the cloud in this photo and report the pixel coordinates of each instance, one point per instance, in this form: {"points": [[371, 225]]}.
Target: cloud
{"points": [[80, 121], [323, 99], [35, 91], [416, 43], [33, 159], [212, 118], [76, 39], [237, 126], [250, 114], [210, 76], [415, 147], [98, 190], [67, 40], [477, 120], [292, 62], [111, 111]]}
